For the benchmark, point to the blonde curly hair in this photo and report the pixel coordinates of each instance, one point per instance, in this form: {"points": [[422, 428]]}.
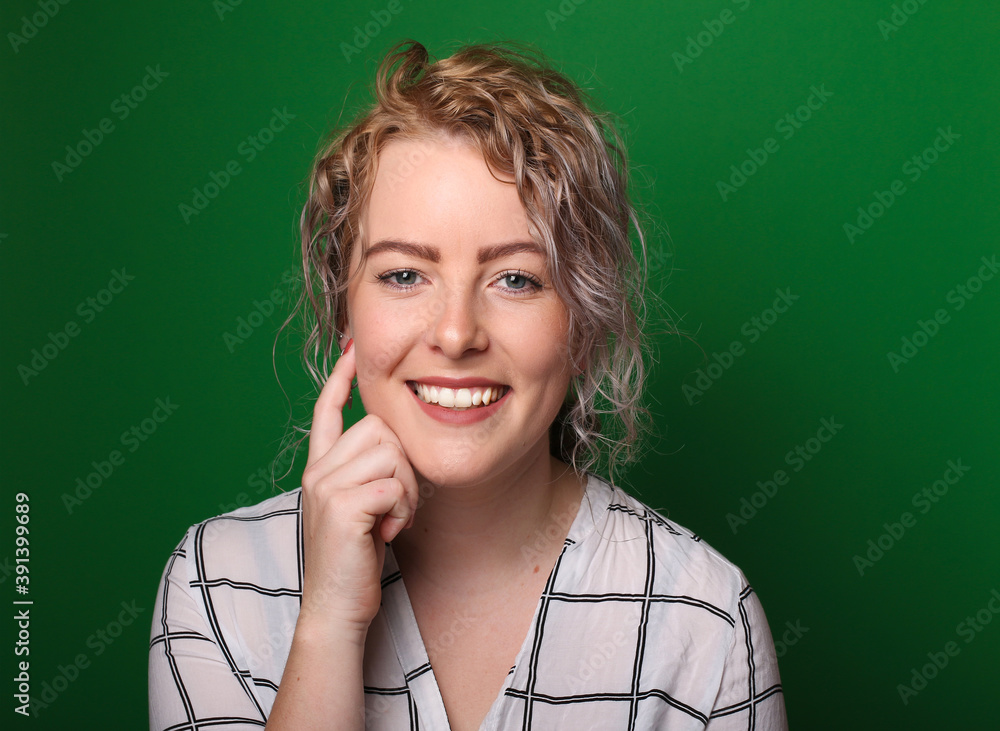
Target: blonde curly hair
{"points": [[533, 124]]}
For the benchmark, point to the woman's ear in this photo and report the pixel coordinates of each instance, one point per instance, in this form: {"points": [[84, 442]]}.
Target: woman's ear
{"points": [[343, 333]]}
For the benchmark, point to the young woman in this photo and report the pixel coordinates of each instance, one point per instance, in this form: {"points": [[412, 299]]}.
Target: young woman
{"points": [[449, 561]]}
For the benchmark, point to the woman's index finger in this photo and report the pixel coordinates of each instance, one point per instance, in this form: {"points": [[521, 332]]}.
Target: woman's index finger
{"points": [[328, 413]]}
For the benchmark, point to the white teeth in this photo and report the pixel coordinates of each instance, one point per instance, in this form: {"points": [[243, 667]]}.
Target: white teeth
{"points": [[462, 398]]}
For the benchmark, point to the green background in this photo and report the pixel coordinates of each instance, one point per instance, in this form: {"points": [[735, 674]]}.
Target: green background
{"points": [[827, 356]]}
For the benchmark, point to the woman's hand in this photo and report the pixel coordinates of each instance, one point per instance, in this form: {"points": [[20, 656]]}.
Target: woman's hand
{"points": [[358, 492]]}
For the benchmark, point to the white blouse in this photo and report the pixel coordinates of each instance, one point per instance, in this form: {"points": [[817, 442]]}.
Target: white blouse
{"points": [[641, 626]]}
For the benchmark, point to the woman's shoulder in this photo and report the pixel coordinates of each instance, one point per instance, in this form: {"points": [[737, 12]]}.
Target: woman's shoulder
{"points": [[681, 556], [278, 504], [268, 527]]}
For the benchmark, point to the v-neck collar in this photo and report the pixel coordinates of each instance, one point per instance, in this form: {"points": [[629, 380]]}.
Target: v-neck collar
{"points": [[409, 644]]}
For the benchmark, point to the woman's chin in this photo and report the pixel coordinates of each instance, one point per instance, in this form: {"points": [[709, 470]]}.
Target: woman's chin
{"points": [[463, 470], [434, 473]]}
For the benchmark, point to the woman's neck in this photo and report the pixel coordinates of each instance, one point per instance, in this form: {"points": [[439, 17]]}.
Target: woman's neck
{"points": [[477, 536]]}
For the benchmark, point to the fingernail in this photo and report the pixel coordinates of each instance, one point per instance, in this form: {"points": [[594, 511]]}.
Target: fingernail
{"points": [[348, 346]]}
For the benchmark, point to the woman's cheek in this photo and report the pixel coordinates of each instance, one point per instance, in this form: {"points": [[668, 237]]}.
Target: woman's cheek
{"points": [[375, 361], [366, 375]]}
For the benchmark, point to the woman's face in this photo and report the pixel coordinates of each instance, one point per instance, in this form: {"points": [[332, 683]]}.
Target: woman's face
{"points": [[454, 309]]}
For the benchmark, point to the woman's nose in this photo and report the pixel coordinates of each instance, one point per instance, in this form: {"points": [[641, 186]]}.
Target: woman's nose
{"points": [[457, 324]]}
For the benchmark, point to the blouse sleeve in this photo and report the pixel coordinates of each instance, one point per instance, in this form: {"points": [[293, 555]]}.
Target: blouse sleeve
{"points": [[750, 695], [190, 678]]}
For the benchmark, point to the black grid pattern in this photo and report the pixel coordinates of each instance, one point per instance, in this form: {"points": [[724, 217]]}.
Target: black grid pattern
{"points": [[641, 625]]}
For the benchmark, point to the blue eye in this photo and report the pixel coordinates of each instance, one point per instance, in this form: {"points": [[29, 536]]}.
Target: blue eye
{"points": [[404, 277], [399, 278], [520, 282]]}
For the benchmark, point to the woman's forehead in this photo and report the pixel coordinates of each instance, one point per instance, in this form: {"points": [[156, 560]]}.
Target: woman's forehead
{"points": [[443, 192]]}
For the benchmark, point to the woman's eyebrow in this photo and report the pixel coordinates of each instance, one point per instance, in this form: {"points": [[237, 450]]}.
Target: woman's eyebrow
{"points": [[431, 253], [489, 253], [405, 247]]}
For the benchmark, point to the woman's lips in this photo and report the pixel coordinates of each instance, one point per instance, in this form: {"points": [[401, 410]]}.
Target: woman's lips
{"points": [[453, 414], [463, 397]]}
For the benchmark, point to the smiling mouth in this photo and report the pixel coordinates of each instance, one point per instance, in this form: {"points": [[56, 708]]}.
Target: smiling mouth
{"points": [[458, 399]]}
